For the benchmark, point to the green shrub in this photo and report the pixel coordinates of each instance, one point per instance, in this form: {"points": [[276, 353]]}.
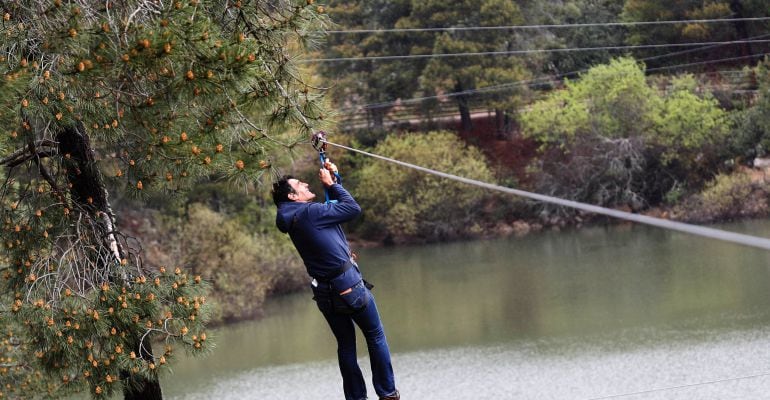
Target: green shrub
{"points": [[726, 193], [244, 265], [727, 197], [401, 203]]}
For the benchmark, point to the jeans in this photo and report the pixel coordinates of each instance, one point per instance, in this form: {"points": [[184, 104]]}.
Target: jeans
{"points": [[341, 324]]}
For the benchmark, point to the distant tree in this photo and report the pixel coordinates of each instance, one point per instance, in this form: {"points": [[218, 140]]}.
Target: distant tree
{"points": [[377, 85], [660, 10], [691, 128], [465, 74], [575, 12], [142, 95], [370, 87]]}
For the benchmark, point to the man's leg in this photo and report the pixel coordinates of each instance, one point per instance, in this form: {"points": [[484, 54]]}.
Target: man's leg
{"points": [[352, 378], [368, 320]]}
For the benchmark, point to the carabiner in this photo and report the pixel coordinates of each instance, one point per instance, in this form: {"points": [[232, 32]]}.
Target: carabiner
{"points": [[318, 140]]}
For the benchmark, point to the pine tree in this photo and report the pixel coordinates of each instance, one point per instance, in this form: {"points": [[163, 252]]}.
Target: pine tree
{"points": [[657, 10], [138, 95], [372, 84], [462, 75]]}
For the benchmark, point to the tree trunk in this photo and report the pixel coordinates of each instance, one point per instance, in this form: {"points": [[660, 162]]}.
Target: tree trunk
{"points": [[741, 28], [140, 388], [377, 117], [503, 124], [137, 387], [500, 117], [466, 125], [88, 190]]}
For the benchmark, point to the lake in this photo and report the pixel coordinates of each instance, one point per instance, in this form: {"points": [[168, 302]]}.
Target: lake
{"points": [[626, 311]]}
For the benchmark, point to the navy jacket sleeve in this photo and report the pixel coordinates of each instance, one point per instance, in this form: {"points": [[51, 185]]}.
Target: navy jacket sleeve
{"points": [[331, 214]]}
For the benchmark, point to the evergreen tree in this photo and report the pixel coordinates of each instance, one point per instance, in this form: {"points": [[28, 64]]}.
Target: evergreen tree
{"points": [[574, 12], [464, 74], [372, 85], [660, 10], [139, 95], [379, 84]]}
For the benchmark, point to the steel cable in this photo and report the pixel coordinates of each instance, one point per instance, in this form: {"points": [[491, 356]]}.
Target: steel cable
{"points": [[726, 236]]}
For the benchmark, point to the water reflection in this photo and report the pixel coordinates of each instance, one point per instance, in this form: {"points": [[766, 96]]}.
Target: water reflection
{"points": [[556, 302]]}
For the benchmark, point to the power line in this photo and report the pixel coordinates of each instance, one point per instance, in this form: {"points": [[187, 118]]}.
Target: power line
{"points": [[708, 62], [503, 86], [530, 51], [358, 120], [546, 26], [544, 79], [677, 53]]}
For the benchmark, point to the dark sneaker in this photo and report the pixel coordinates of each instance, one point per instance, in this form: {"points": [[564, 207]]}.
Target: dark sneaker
{"points": [[394, 396]]}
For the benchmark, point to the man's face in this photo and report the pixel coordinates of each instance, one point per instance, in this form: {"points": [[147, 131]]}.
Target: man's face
{"points": [[302, 191]]}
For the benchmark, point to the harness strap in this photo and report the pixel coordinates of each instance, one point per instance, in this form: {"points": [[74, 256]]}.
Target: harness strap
{"points": [[341, 270]]}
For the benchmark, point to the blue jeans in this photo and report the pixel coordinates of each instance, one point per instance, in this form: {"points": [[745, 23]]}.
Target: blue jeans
{"points": [[341, 324]]}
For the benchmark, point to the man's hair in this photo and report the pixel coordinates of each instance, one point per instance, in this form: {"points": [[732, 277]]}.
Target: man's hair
{"points": [[282, 189]]}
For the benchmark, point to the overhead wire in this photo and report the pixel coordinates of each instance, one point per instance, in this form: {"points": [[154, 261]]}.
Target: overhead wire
{"points": [[709, 62], [527, 51], [546, 26], [536, 80], [678, 53], [543, 79]]}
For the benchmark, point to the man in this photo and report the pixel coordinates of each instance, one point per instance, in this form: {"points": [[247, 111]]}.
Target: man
{"points": [[338, 289]]}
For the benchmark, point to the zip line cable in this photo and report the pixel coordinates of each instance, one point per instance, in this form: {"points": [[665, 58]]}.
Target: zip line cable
{"points": [[547, 26], [530, 51], [738, 238], [617, 396]]}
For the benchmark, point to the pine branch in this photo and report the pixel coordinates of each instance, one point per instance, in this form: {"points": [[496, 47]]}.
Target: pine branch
{"points": [[43, 171], [21, 155]]}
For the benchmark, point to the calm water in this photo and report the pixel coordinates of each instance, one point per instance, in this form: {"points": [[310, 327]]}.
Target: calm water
{"points": [[554, 315]]}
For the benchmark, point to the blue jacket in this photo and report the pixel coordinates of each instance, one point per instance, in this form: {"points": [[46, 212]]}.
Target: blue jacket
{"points": [[316, 232]]}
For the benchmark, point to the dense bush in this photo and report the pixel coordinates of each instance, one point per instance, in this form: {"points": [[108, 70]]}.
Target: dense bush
{"points": [[403, 203], [741, 194], [595, 170]]}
